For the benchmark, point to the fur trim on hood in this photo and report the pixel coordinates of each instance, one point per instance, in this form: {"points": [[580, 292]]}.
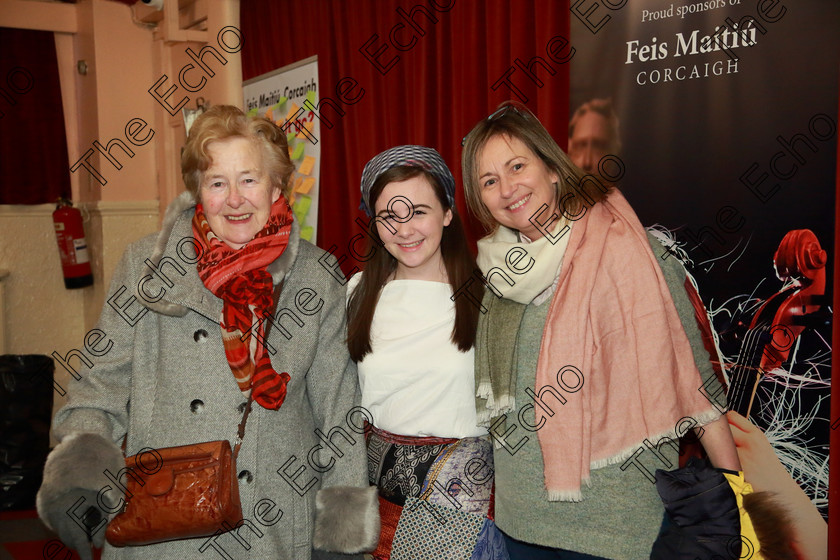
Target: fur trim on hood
{"points": [[182, 209]]}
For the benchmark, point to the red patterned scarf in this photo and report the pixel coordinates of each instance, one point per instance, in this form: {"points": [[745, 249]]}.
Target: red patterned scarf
{"points": [[240, 279]]}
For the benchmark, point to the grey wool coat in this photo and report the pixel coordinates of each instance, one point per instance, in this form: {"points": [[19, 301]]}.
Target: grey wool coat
{"points": [[164, 381]]}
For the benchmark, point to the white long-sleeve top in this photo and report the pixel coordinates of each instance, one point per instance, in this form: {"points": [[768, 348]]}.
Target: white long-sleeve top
{"points": [[415, 381]]}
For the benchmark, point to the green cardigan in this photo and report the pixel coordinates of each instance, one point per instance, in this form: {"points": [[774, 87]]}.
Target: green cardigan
{"points": [[621, 511]]}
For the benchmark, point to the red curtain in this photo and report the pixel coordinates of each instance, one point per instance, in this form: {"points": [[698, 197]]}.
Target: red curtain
{"points": [[433, 94], [33, 145]]}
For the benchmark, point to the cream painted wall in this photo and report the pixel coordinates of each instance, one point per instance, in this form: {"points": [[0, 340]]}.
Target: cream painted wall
{"points": [[42, 316], [124, 59]]}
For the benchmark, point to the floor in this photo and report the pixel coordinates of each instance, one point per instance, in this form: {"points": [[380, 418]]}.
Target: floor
{"points": [[24, 537]]}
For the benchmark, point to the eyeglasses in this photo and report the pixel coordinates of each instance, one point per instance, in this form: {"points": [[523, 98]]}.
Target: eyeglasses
{"points": [[503, 110], [498, 113]]}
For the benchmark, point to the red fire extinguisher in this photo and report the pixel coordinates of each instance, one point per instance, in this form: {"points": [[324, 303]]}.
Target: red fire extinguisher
{"points": [[75, 262]]}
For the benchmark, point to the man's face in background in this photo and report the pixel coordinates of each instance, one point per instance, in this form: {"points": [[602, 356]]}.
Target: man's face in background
{"points": [[590, 141]]}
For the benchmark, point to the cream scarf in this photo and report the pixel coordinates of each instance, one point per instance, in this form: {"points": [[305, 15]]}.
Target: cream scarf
{"points": [[532, 266]]}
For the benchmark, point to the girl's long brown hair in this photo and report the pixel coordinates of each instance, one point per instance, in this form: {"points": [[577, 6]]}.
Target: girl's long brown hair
{"points": [[457, 259]]}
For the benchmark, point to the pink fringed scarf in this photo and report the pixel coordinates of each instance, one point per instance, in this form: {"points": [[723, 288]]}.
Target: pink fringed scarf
{"points": [[612, 318], [240, 279]]}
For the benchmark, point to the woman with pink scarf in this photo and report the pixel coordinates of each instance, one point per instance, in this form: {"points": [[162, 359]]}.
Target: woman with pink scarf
{"points": [[586, 367]]}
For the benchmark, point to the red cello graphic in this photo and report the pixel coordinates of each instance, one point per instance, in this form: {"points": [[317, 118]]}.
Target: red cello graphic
{"points": [[780, 320], [800, 263]]}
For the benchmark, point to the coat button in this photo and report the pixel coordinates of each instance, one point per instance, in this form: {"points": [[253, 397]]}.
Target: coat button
{"points": [[200, 335], [197, 406], [246, 476]]}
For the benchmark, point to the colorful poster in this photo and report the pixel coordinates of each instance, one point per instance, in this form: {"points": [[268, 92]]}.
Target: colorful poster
{"points": [[289, 97], [723, 115]]}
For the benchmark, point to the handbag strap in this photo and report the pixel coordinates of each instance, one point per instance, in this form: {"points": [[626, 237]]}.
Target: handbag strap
{"points": [[240, 433]]}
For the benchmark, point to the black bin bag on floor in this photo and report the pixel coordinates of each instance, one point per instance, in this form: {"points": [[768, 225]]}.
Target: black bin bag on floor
{"points": [[26, 402]]}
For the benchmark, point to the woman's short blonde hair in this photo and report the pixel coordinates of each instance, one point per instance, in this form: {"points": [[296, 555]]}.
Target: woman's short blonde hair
{"points": [[226, 121], [514, 120]]}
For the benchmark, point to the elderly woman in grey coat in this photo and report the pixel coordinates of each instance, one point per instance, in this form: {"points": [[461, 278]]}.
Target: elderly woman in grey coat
{"points": [[225, 306]]}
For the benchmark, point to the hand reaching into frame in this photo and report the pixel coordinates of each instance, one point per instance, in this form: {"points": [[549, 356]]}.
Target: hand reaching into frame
{"points": [[765, 472]]}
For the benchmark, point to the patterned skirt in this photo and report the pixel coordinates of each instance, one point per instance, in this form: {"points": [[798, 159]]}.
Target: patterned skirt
{"points": [[435, 497]]}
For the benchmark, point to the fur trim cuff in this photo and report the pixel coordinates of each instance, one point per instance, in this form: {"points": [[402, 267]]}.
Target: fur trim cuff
{"points": [[346, 519], [78, 462]]}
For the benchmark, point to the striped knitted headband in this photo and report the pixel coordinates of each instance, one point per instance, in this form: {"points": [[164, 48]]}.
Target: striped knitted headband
{"points": [[412, 156]]}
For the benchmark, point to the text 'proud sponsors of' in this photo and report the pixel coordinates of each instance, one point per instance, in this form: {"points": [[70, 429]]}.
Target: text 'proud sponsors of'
{"points": [[724, 38]]}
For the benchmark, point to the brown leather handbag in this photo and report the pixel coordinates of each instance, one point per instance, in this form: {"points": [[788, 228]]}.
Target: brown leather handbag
{"points": [[195, 493]]}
